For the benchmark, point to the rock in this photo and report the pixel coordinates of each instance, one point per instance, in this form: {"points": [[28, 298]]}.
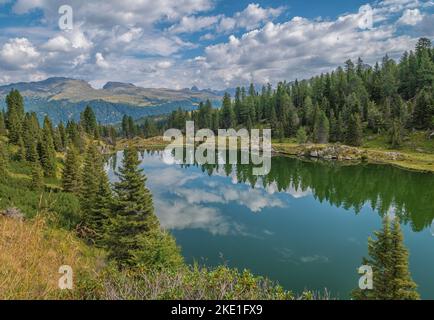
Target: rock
{"points": [[394, 155], [314, 154], [13, 213]]}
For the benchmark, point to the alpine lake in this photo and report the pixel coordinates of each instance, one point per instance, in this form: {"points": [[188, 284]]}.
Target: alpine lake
{"points": [[304, 225]]}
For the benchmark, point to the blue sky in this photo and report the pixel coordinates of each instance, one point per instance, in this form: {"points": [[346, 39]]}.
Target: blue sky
{"points": [[207, 43]]}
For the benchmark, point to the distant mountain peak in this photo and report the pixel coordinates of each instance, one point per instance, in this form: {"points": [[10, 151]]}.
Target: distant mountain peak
{"points": [[111, 85]]}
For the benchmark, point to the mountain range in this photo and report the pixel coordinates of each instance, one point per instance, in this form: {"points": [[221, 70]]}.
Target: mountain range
{"points": [[64, 98]]}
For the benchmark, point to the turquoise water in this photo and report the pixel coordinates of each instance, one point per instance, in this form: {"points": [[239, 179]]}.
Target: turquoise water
{"points": [[305, 224]]}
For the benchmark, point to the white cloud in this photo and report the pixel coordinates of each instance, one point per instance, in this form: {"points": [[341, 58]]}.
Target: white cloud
{"points": [[145, 42], [100, 61], [251, 17], [58, 43], [298, 48], [411, 17], [19, 53], [164, 64], [194, 24]]}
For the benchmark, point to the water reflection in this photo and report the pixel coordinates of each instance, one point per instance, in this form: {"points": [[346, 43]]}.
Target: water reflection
{"points": [[305, 224]]}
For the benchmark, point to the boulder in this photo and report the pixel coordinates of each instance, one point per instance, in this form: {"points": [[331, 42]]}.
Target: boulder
{"points": [[13, 213]]}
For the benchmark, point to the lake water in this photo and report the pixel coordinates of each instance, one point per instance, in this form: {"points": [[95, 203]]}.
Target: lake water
{"points": [[305, 224]]}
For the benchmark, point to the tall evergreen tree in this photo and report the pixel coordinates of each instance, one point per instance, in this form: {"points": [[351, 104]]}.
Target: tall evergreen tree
{"points": [[3, 161], [423, 110], [88, 121], [403, 286], [133, 215], [47, 152], [2, 124], [15, 115], [389, 262], [321, 128], [354, 133], [227, 113], [71, 172], [95, 198], [37, 181]]}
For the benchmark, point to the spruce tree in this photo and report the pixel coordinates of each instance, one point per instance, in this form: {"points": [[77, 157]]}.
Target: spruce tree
{"points": [[21, 154], [354, 133], [37, 181], [403, 286], [15, 115], [389, 261], [133, 216], [321, 128], [227, 113], [301, 136], [95, 198], [2, 124], [3, 161], [396, 133], [88, 121], [46, 150], [71, 171], [423, 110], [100, 213]]}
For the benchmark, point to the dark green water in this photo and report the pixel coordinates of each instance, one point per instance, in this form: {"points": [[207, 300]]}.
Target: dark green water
{"points": [[304, 225]]}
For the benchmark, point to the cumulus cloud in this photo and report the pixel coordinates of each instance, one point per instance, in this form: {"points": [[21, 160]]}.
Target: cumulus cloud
{"points": [[250, 18], [298, 48], [411, 17], [100, 61], [19, 53], [150, 43], [194, 24]]}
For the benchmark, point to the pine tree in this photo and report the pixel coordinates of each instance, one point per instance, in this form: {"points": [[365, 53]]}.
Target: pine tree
{"points": [[32, 152], [227, 113], [21, 155], [63, 135], [15, 115], [2, 124], [37, 181], [423, 110], [46, 150], [101, 211], [88, 120], [133, 215], [389, 262], [403, 287], [95, 198], [321, 128], [3, 161], [71, 172], [396, 133], [354, 134], [301, 136]]}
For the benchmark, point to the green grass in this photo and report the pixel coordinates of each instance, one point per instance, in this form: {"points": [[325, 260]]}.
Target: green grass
{"points": [[414, 142]]}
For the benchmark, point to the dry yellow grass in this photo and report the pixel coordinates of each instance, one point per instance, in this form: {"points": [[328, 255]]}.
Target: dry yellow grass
{"points": [[30, 256]]}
